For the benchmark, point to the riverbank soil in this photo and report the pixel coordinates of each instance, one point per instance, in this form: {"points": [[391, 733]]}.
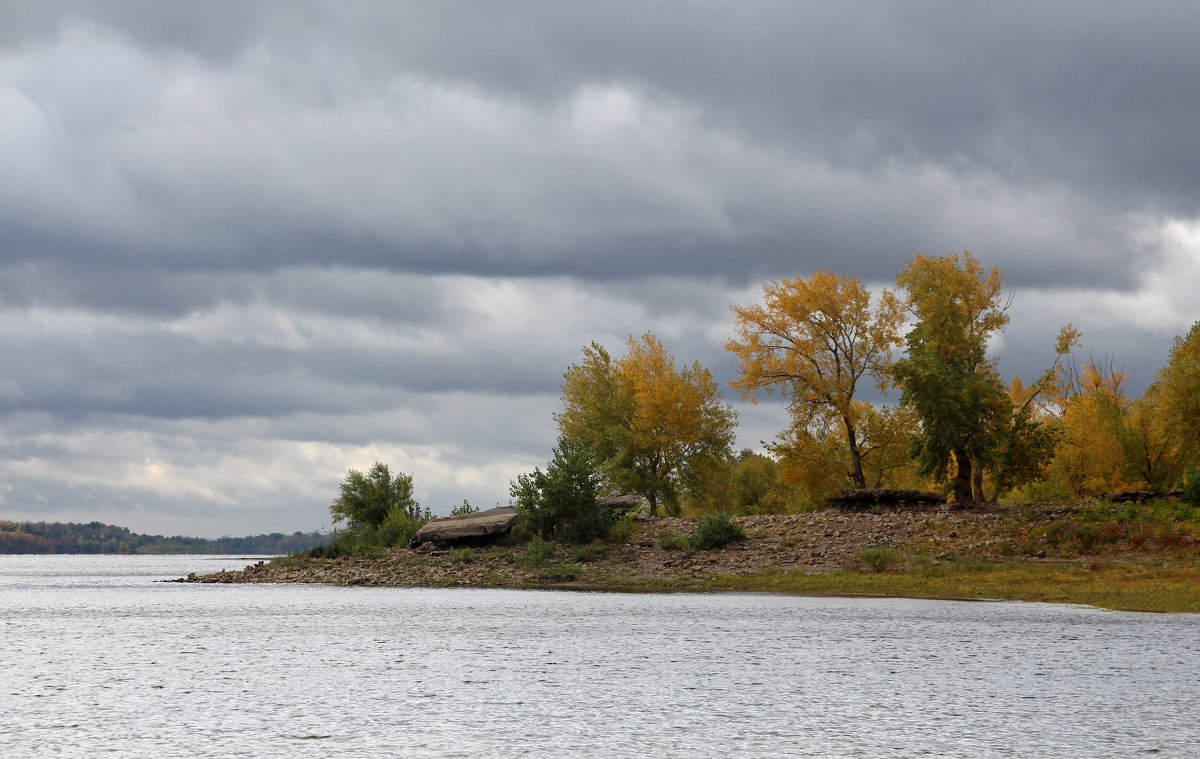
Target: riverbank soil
{"points": [[1126, 557]]}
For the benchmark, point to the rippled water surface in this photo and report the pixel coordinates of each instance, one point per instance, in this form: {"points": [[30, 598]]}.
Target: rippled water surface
{"points": [[98, 659]]}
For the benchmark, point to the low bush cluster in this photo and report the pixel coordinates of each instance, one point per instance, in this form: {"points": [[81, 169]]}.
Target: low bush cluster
{"points": [[715, 529]]}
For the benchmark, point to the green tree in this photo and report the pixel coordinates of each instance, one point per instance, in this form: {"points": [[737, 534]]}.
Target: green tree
{"points": [[946, 377], [463, 510], [651, 428], [562, 501], [815, 340], [367, 499]]}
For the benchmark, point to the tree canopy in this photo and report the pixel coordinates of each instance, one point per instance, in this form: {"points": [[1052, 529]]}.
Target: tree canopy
{"points": [[650, 426], [946, 376], [1175, 394], [367, 499], [814, 340]]}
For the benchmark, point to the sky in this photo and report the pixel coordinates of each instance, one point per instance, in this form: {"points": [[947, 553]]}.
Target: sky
{"points": [[246, 247]]}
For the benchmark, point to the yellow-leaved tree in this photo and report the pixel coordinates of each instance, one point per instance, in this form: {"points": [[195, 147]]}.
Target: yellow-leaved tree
{"points": [[1091, 457], [653, 429], [1174, 401], [815, 341]]}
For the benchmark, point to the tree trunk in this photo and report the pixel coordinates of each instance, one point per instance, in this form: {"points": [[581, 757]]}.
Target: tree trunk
{"points": [[856, 467], [978, 486], [962, 478], [652, 499]]}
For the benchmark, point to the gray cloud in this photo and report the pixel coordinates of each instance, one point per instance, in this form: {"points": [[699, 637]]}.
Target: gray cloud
{"points": [[251, 244]]}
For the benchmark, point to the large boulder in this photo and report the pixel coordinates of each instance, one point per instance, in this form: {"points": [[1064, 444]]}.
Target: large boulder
{"points": [[621, 504], [476, 529]]}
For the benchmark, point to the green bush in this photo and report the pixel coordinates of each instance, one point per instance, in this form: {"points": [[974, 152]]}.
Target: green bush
{"points": [[399, 527], [879, 558], [537, 552], [714, 530], [372, 541], [368, 499], [622, 530], [594, 551], [561, 502], [1191, 488]]}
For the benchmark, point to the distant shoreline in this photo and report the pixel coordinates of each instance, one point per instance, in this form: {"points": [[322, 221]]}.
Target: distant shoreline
{"points": [[98, 538], [1030, 552]]}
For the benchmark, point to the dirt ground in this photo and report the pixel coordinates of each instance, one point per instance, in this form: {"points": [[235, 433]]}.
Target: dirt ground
{"points": [[815, 542]]}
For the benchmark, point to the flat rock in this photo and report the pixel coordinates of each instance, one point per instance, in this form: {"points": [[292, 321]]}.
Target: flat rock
{"points": [[619, 504], [468, 527]]}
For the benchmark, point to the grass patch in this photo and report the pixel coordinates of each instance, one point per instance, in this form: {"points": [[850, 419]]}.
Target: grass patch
{"points": [[1124, 587], [880, 558], [672, 541], [462, 555]]}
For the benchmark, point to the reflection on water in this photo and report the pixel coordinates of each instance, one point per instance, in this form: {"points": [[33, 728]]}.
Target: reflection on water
{"points": [[99, 659]]}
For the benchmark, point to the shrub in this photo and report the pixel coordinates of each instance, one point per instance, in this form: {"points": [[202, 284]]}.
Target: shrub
{"points": [[368, 499], [879, 558], [594, 551], [561, 502], [1191, 488], [399, 527], [537, 552], [714, 530], [622, 530]]}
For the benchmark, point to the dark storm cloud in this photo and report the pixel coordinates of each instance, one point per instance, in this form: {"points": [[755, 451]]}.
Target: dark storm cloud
{"points": [[245, 246], [923, 127], [215, 29]]}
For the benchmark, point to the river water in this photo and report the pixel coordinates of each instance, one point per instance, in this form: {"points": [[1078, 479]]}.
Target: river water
{"points": [[98, 659]]}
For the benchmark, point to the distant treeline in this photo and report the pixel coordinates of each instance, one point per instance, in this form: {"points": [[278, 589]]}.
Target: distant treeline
{"points": [[97, 537]]}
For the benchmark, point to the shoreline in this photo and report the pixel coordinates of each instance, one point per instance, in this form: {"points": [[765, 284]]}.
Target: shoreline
{"points": [[1026, 552]]}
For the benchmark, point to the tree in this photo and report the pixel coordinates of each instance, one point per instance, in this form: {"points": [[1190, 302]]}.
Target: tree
{"points": [[1024, 442], [1024, 439], [814, 340], [1149, 442], [1175, 397], [649, 426], [946, 376], [812, 456], [366, 500], [1092, 455], [561, 502], [753, 485]]}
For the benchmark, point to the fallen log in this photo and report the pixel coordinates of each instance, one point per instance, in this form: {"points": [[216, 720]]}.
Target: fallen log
{"points": [[863, 497]]}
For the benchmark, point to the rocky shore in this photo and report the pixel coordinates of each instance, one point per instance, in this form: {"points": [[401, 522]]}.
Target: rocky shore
{"points": [[818, 542]]}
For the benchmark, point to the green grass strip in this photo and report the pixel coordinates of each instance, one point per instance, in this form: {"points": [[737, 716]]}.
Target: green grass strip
{"points": [[1161, 587]]}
